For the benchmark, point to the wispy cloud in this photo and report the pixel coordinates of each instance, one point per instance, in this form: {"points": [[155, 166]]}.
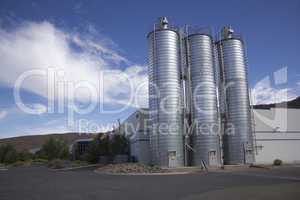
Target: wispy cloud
{"points": [[42, 130], [265, 93], [39, 108], [80, 56], [3, 114]]}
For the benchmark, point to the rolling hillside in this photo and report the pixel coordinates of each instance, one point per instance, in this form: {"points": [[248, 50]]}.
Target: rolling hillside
{"points": [[25, 143], [295, 103]]}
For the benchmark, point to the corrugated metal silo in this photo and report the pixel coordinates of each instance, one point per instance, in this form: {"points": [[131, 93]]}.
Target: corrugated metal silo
{"points": [[206, 138], [238, 140], [165, 96], [219, 74]]}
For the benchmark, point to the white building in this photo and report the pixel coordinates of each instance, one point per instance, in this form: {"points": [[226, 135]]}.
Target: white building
{"points": [[135, 127], [277, 135], [277, 132]]}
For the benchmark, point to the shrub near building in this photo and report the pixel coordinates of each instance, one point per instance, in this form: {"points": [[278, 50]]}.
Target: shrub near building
{"points": [[100, 146], [104, 147], [54, 148], [8, 154], [119, 144]]}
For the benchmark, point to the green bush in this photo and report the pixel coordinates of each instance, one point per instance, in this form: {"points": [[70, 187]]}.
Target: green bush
{"points": [[11, 157], [20, 163], [103, 146], [39, 161], [119, 145], [277, 162], [99, 146], [8, 154], [40, 155], [54, 148], [93, 152], [25, 156], [78, 163], [76, 154]]}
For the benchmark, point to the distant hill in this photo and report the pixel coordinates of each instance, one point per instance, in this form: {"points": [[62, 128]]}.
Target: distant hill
{"points": [[25, 143], [295, 103]]}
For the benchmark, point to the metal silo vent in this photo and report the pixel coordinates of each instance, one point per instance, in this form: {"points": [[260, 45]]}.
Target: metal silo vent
{"points": [[163, 22], [227, 32]]}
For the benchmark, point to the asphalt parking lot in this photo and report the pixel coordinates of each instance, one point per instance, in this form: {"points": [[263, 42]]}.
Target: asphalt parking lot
{"points": [[39, 183]]}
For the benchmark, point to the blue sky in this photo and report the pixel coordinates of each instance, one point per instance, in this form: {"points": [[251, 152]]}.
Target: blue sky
{"points": [[82, 36]]}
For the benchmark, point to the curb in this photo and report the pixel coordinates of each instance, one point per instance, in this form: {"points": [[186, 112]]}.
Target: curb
{"points": [[260, 167], [144, 174], [267, 176], [3, 169], [73, 168]]}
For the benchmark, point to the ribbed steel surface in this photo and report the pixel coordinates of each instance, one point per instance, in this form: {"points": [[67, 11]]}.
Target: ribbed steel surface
{"points": [[219, 74], [204, 99], [237, 100], [164, 75]]}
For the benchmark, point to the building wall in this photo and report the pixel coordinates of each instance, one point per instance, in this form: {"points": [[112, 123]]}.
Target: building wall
{"points": [[277, 132], [135, 127], [140, 150]]}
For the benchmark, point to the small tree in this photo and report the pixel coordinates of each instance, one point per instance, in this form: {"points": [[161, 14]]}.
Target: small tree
{"points": [[119, 144], [104, 144], [8, 154], [2, 152], [11, 157], [40, 155], [98, 147], [93, 153], [76, 153], [55, 148], [24, 156]]}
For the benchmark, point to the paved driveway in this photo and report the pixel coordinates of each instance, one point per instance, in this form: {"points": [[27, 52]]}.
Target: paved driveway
{"points": [[38, 183]]}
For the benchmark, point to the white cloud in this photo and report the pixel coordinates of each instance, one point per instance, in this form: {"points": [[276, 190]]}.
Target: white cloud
{"points": [[42, 130], [3, 114], [81, 57], [264, 93], [39, 108]]}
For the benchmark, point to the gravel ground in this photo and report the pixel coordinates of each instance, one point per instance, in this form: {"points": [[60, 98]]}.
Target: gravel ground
{"points": [[130, 168]]}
